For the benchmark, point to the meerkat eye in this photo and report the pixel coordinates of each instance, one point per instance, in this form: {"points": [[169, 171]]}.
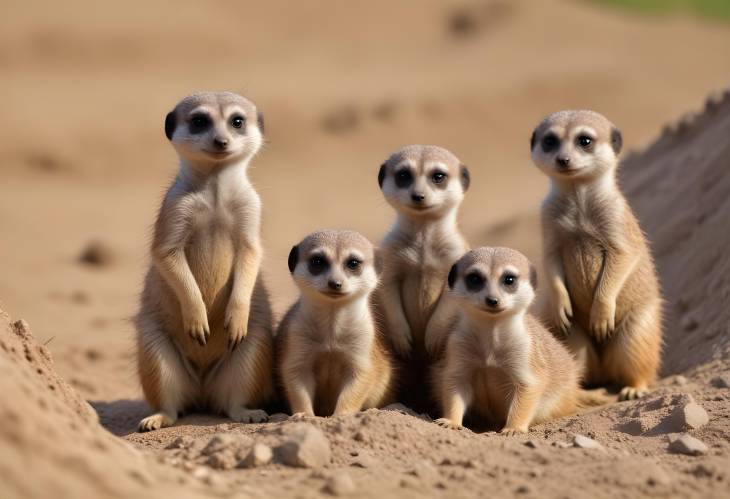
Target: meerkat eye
{"points": [[474, 281], [403, 177], [584, 141], [353, 263], [509, 279], [199, 121], [550, 142], [317, 264], [438, 177], [237, 121]]}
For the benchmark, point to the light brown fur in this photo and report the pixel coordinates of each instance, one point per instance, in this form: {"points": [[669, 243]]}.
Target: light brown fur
{"points": [[332, 357], [602, 289], [204, 328], [499, 361]]}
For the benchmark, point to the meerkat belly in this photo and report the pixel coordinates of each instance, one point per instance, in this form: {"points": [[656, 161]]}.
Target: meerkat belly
{"points": [[210, 256], [419, 294], [582, 263], [330, 371], [492, 391]]}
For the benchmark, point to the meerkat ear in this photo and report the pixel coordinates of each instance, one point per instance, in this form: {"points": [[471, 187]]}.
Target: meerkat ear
{"points": [[260, 121], [617, 140], [381, 175], [293, 258], [452, 276], [464, 177], [533, 139], [170, 124], [533, 276], [378, 261]]}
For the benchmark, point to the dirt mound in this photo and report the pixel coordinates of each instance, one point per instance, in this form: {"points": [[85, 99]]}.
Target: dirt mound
{"points": [[680, 189]]}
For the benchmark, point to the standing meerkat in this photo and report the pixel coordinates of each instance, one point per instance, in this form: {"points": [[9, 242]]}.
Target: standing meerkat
{"points": [[499, 360], [331, 356], [204, 328], [602, 288]]}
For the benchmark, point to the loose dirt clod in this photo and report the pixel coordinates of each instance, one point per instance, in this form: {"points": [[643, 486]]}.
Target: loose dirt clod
{"points": [[686, 444], [306, 447]]}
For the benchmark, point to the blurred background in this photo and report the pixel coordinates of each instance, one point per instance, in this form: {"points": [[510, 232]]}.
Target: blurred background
{"points": [[85, 87]]}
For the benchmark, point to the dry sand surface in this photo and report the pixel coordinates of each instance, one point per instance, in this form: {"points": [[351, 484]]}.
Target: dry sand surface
{"points": [[86, 86]]}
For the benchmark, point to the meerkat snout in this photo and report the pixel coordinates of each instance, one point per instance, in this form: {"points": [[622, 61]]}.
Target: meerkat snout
{"points": [[334, 265], [423, 180], [495, 281], [209, 129], [575, 144]]}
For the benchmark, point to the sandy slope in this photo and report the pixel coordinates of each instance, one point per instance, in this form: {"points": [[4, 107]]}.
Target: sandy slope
{"points": [[85, 89]]}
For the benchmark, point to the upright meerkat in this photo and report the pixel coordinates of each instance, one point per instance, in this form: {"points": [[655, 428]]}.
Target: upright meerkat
{"points": [[425, 184], [331, 355], [204, 328], [602, 289], [499, 360]]}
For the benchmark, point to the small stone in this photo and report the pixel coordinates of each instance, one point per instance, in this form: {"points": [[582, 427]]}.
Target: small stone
{"points": [[680, 380], [722, 381], [339, 485], [364, 461], [201, 472], [532, 444], [686, 444], [222, 460], [97, 253], [260, 455], [689, 417], [584, 442], [307, 447], [634, 426], [359, 436], [180, 443], [562, 445], [522, 489], [278, 417], [219, 442]]}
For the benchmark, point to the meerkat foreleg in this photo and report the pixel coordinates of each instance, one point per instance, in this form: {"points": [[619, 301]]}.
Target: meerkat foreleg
{"points": [[399, 330], [522, 410], [174, 268], [438, 325], [617, 266], [559, 298], [245, 272], [456, 395], [353, 394]]}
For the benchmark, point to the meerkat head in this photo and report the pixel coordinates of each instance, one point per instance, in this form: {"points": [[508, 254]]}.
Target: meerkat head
{"points": [[493, 281], [334, 265], [579, 145], [210, 129], [423, 181]]}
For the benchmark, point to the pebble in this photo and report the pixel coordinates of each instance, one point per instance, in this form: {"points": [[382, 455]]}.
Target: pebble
{"points": [[260, 455], [586, 443], [722, 381], [686, 444], [339, 485], [689, 417], [306, 447]]}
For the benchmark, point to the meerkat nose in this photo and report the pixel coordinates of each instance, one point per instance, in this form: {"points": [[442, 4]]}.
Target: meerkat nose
{"points": [[334, 285], [418, 198], [492, 302], [562, 161], [220, 142]]}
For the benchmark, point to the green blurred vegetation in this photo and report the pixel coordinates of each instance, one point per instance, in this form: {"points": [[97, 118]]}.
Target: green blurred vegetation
{"points": [[716, 9]]}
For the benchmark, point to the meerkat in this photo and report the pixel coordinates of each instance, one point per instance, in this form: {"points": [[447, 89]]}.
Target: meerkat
{"points": [[204, 326], [500, 361], [425, 185], [331, 355], [602, 289]]}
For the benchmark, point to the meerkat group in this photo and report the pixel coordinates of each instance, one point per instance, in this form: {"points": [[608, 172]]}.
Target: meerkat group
{"points": [[421, 319]]}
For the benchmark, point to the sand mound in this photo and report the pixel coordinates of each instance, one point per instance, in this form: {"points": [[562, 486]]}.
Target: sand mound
{"points": [[680, 189]]}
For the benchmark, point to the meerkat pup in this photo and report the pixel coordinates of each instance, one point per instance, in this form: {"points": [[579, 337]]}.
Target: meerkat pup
{"points": [[331, 356], [204, 331], [602, 289], [499, 360]]}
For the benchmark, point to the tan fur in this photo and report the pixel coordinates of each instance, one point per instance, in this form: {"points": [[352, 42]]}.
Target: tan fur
{"points": [[332, 359], [602, 289], [501, 362], [204, 328]]}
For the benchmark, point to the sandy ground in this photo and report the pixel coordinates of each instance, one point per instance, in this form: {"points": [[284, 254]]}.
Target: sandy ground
{"points": [[86, 87]]}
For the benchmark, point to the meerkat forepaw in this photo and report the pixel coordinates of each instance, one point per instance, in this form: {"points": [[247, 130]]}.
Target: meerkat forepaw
{"points": [[196, 325], [236, 324], [243, 415], [511, 432], [603, 317], [447, 423], [298, 416], [402, 342], [155, 422], [632, 393]]}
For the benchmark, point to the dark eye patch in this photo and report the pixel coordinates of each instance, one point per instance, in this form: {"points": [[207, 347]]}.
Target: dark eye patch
{"points": [[509, 281], [354, 264], [317, 264], [550, 142], [585, 142], [199, 123], [403, 178], [474, 281]]}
